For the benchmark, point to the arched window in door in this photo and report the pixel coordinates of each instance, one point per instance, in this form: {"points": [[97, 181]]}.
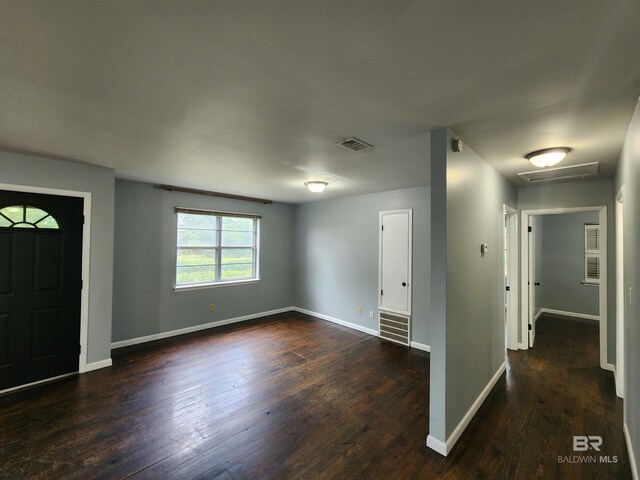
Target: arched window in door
{"points": [[25, 216]]}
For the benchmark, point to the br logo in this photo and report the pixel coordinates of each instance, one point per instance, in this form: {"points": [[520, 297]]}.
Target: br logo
{"points": [[582, 443]]}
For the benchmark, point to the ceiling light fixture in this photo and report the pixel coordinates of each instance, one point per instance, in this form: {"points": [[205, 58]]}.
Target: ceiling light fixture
{"points": [[547, 157], [316, 186]]}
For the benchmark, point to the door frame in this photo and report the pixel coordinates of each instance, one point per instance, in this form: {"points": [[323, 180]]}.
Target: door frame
{"points": [[620, 303], [604, 286], [86, 252], [410, 265], [511, 222]]}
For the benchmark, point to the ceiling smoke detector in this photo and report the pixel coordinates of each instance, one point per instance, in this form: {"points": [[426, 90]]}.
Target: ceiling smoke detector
{"points": [[561, 173], [355, 144]]}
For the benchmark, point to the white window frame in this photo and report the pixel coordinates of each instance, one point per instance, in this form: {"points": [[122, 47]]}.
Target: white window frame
{"points": [[592, 253], [218, 248]]}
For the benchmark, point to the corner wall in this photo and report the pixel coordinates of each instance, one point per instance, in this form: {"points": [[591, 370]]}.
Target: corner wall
{"points": [[562, 259], [145, 302], [35, 171], [336, 268], [468, 345]]}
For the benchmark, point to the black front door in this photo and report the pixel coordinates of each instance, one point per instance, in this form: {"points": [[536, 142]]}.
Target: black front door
{"points": [[40, 286]]}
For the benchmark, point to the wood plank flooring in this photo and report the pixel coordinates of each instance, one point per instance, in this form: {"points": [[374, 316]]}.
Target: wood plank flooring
{"points": [[290, 396]]}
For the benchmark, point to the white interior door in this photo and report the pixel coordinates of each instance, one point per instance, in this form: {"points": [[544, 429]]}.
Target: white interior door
{"points": [[395, 261], [532, 276], [511, 277]]}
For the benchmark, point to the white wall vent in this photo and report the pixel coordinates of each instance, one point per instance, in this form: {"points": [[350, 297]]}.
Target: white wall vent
{"points": [[355, 144], [395, 328], [548, 174]]}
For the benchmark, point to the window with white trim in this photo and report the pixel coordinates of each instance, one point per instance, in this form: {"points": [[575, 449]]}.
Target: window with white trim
{"points": [[592, 254], [216, 247]]}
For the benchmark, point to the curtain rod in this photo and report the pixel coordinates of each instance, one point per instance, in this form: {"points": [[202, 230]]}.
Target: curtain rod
{"points": [[173, 188]]}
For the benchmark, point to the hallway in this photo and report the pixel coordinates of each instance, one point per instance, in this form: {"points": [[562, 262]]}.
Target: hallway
{"points": [[549, 394]]}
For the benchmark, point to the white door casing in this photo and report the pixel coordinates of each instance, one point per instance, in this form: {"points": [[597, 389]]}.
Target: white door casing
{"points": [[620, 296]]}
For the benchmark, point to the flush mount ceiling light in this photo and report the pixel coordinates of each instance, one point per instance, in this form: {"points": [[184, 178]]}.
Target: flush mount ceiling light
{"points": [[316, 186], [547, 157]]}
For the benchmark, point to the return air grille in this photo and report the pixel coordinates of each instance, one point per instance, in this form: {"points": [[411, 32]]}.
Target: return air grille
{"points": [[395, 328], [548, 174], [355, 144]]}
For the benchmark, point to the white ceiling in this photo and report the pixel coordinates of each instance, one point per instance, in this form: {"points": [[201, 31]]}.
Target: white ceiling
{"points": [[250, 97]]}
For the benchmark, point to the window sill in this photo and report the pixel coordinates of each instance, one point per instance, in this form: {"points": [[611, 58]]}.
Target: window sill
{"points": [[590, 284], [201, 286]]}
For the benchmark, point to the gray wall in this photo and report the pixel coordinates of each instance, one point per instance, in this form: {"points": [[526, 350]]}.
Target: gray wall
{"points": [[31, 170], [628, 175], [337, 256], [588, 193], [562, 260], [467, 334], [144, 263]]}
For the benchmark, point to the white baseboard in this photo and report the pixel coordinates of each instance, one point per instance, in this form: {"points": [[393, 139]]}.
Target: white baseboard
{"points": [[570, 314], [421, 346], [360, 328], [97, 365], [535, 319], [434, 444], [196, 328], [630, 451], [33, 384], [445, 448]]}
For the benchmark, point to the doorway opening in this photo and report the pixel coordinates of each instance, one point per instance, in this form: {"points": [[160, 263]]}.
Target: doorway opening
{"points": [[590, 259]]}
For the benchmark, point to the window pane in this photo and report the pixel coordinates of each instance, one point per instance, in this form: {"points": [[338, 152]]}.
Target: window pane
{"points": [[196, 238], [13, 213], [237, 239], [48, 222], [237, 255], [196, 256], [237, 223], [237, 271], [34, 214], [189, 220], [23, 225], [195, 274], [4, 222]]}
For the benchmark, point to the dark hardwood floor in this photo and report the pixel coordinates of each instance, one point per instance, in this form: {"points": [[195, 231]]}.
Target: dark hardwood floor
{"points": [[290, 396]]}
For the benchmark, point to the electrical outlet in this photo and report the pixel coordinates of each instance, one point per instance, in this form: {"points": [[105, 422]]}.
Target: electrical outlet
{"points": [[359, 310], [212, 307], [370, 313]]}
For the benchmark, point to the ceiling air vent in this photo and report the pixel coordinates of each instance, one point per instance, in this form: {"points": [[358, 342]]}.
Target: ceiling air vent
{"points": [[355, 144], [548, 174]]}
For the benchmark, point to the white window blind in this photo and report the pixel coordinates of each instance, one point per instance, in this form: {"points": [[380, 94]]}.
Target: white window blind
{"points": [[592, 254]]}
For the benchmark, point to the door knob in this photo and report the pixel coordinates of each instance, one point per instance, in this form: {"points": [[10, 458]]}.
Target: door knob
{"points": [[404, 284]]}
